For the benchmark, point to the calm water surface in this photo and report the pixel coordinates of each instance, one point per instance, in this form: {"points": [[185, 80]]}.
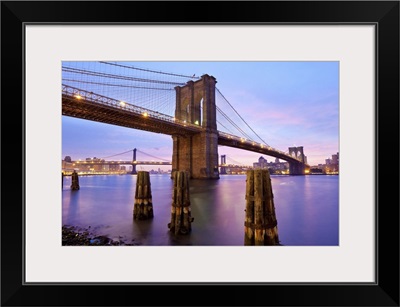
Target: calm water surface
{"points": [[307, 209]]}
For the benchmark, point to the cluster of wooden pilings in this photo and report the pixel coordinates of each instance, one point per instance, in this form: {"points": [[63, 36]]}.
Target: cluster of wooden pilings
{"points": [[181, 218], [143, 206], [260, 226]]}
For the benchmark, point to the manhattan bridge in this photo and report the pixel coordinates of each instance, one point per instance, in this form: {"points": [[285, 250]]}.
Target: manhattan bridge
{"points": [[191, 109]]}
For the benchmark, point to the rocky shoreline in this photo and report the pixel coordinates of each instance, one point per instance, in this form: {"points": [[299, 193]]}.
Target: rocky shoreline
{"points": [[74, 236]]}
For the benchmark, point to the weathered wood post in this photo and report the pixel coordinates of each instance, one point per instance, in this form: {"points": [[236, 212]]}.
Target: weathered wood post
{"points": [[260, 226], [74, 181], [181, 218], [143, 207]]}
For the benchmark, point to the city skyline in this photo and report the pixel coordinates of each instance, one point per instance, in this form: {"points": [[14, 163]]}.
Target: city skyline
{"points": [[286, 103]]}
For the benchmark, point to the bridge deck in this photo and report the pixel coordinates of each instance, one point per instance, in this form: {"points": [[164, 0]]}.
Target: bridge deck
{"points": [[87, 105]]}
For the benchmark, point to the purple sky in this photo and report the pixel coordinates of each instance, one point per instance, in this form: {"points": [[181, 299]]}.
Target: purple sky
{"points": [[286, 103]]}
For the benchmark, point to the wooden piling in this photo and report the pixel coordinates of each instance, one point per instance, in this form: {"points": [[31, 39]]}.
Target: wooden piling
{"points": [[181, 218], [249, 217], [260, 226], [271, 232], [75, 181], [143, 206]]}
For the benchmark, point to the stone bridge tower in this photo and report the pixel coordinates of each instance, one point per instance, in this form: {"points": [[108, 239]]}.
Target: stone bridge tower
{"points": [[197, 154], [297, 168], [223, 163]]}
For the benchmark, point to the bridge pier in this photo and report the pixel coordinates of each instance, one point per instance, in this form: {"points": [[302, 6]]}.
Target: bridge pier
{"points": [[197, 155], [296, 169]]}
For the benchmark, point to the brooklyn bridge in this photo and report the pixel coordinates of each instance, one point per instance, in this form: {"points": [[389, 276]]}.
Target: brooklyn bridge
{"points": [[190, 109]]}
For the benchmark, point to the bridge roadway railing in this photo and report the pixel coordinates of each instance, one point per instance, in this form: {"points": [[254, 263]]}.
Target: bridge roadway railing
{"points": [[78, 94], [253, 143]]}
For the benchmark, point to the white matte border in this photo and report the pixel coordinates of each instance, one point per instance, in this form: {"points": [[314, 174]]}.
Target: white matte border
{"points": [[48, 45]]}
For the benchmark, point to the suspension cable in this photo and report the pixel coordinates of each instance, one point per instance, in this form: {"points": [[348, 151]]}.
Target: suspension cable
{"points": [[119, 85], [155, 81], [158, 158], [241, 117], [148, 70], [219, 123], [117, 154], [234, 161], [234, 124], [113, 76]]}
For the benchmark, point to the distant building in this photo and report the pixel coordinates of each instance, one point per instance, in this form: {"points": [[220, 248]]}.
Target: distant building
{"points": [[334, 166], [331, 165], [316, 170], [273, 167], [65, 165], [67, 159], [113, 167], [236, 170], [262, 163], [335, 159]]}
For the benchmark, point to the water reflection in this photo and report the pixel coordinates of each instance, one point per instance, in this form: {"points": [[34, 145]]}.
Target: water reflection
{"points": [[306, 209]]}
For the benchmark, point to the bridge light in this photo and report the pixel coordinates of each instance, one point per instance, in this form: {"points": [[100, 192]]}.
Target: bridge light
{"points": [[78, 96], [145, 114], [196, 122], [122, 104]]}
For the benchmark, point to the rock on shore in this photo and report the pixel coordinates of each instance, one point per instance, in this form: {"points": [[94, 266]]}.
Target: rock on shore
{"points": [[74, 236]]}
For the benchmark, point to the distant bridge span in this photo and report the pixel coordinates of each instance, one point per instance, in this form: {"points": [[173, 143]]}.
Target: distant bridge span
{"points": [[105, 162]]}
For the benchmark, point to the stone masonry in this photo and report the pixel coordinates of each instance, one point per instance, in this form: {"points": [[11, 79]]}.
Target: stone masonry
{"points": [[197, 154]]}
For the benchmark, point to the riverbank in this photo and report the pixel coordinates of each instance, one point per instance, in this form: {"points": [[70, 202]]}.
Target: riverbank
{"points": [[74, 236]]}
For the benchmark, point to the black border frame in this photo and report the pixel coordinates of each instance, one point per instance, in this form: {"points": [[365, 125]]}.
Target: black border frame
{"points": [[383, 14]]}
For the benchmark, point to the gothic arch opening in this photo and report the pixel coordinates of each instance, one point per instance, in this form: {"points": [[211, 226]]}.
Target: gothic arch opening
{"points": [[200, 120]]}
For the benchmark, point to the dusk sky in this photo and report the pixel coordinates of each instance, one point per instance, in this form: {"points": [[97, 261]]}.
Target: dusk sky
{"points": [[285, 103]]}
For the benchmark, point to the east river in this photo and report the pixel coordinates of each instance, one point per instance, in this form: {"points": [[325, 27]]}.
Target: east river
{"points": [[306, 207]]}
